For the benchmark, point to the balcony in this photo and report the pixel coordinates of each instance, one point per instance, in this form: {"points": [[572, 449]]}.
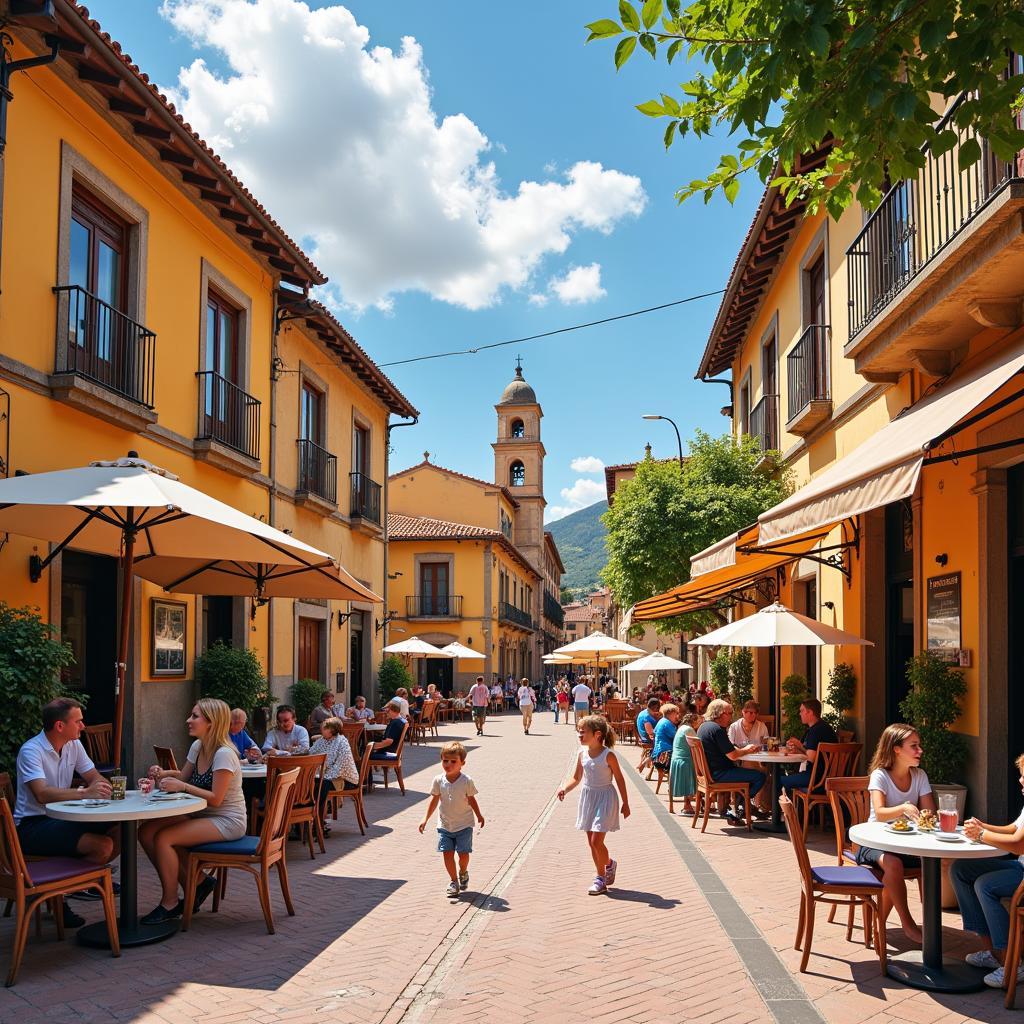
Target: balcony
{"points": [[105, 362], [553, 610], [510, 613], [434, 606], [318, 474], [810, 394], [229, 424], [764, 423], [938, 260], [365, 498]]}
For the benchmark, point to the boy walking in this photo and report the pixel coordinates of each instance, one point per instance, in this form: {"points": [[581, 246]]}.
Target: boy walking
{"points": [[479, 695], [453, 794]]}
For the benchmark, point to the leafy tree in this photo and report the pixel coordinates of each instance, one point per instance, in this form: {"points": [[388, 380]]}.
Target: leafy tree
{"points": [[721, 672], [305, 695], [391, 676], [664, 516], [742, 672], [840, 695], [783, 78], [233, 674], [794, 693]]}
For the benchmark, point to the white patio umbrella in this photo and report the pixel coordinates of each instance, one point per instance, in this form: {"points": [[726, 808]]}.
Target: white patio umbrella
{"points": [[131, 509], [457, 650], [656, 662], [414, 647], [601, 645]]}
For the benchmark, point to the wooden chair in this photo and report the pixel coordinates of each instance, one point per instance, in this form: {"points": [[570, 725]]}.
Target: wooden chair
{"points": [[769, 723], [165, 758], [264, 851], [304, 810], [381, 718], [834, 760], [1015, 947], [99, 745], [845, 736], [840, 885], [708, 788], [426, 723], [7, 787], [31, 885], [355, 733], [337, 796], [396, 764]]}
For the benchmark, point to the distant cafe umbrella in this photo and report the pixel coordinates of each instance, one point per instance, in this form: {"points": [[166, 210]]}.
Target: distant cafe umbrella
{"points": [[656, 662], [457, 650], [600, 646], [141, 515], [414, 647]]}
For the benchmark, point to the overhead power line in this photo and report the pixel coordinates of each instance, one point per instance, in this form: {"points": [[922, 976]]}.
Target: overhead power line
{"points": [[547, 334]]}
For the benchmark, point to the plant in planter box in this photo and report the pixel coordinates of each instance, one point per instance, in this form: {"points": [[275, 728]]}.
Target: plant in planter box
{"points": [[794, 692], [721, 672], [391, 675], [840, 694], [932, 706], [742, 685], [305, 695], [233, 674]]}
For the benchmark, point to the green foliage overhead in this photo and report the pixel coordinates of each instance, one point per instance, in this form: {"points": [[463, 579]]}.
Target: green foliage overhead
{"points": [[839, 695], [233, 674], [305, 695], [664, 515], [932, 706], [781, 78], [31, 659], [391, 675]]}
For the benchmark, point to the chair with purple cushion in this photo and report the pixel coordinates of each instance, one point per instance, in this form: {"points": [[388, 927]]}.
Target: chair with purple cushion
{"points": [[836, 885], [29, 885]]}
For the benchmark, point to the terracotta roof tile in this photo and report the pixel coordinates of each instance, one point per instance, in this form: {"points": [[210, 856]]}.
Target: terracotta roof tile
{"points": [[420, 527]]}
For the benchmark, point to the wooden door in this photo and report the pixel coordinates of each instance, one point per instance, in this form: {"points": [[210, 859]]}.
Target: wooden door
{"points": [[309, 648]]}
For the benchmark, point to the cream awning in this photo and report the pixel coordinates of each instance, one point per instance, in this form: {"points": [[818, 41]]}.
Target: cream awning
{"points": [[885, 468], [717, 556]]}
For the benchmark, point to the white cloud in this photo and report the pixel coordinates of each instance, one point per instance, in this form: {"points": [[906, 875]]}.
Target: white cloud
{"points": [[582, 493], [339, 139], [579, 285], [586, 464]]}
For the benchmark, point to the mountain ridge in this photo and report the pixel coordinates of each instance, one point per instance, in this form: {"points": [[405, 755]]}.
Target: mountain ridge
{"points": [[580, 537]]}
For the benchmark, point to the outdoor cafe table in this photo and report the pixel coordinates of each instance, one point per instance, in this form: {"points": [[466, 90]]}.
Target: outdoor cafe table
{"points": [[773, 761], [253, 771], [135, 807], [927, 968], [371, 727]]}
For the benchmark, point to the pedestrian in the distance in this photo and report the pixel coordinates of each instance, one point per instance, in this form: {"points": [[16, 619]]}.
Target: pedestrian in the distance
{"points": [[581, 699], [562, 702], [598, 769], [453, 796], [479, 695], [527, 702]]}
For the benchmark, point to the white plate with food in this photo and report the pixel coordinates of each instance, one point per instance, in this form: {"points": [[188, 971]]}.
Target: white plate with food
{"points": [[906, 830]]}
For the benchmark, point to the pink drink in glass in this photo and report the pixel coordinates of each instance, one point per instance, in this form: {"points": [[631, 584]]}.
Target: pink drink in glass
{"points": [[947, 820]]}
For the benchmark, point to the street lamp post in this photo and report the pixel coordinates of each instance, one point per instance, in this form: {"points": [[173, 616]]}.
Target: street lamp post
{"points": [[679, 440]]}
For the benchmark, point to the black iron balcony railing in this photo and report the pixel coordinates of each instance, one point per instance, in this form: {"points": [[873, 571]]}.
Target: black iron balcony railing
{"points": [[807, 369], [438, 606], [103, 345], [764, 423], [553, 611], [918, 218], [365, 497], [228, 414], [318, 471], [511, 613]]}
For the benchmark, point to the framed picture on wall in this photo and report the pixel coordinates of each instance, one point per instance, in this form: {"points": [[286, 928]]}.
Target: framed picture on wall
{"points": [[169, 619]]}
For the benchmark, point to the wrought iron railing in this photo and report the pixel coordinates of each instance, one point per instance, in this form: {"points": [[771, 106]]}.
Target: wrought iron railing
{"points": [[365, 497], [918, 218], [103, 345], [228, 414], [424, 606], [553, 610], [807, 367], [764, 423], [511, 613], [318, 470]]}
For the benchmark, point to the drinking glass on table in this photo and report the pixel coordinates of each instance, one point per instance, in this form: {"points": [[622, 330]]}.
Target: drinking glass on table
{"points": [[252, 755], [145, 785], [947, 812], [118, 786]]}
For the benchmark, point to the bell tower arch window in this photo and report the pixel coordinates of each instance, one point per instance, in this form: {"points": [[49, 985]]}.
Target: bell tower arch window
{"points": [[518, 429], [517, 474]]}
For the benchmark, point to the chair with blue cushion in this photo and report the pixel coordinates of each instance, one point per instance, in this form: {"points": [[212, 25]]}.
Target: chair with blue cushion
{"points": [[835, 885], [255, 854]]}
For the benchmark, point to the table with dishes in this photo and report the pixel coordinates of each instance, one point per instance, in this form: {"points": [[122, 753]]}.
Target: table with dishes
{"points": [[136, 806], [773, 759], [927, 968]]}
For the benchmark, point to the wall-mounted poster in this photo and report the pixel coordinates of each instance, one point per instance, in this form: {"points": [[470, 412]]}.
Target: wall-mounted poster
{"points": [[944, 616], [169, 621]]}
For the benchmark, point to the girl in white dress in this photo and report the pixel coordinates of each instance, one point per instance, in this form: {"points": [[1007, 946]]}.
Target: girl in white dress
{"points": [[598, 769]]}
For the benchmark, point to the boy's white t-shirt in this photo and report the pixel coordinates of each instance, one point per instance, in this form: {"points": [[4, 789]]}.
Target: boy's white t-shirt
{"points": [[881, 781], [525, 695], [453, 810], [581, 693]]}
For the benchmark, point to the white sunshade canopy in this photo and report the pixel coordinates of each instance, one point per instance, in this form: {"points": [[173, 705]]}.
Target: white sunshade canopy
{"points": [[457, 650], [557, 659], [778, 626], [600, 645], [414, 647], [656, 662]]}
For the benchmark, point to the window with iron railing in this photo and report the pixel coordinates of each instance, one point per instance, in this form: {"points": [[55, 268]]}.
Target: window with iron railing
{"points": [[511, 613], [764, 423], [228, 414], [318, 471], [434, 606], [365, 497], [807, 369]]}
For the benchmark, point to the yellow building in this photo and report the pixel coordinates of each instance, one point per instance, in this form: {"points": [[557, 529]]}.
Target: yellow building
{"points": [[470, 560], [150, 303], [879, 357]]}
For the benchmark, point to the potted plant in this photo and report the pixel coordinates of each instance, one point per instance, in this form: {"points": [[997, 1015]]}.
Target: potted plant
{"points": [[839, 696], [390, 676], [742, 685], [721, 672], [794, 692], [234, 674], [305, 695]]}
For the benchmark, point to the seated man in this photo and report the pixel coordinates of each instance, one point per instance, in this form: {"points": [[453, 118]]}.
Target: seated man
{"points": [[722, 754], [646, 723], [46, 765], [817, 732], [239, 737], [327, 708], [359, 712], [288, 738], [385, 749]]}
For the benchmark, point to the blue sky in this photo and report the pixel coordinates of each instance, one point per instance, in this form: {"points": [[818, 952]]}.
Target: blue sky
{"points": [[521, 76]]}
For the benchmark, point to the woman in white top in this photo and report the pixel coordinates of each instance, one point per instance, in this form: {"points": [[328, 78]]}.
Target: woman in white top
{"points": [[212, 772], [747, 729], [527, 702], [898, 788]]}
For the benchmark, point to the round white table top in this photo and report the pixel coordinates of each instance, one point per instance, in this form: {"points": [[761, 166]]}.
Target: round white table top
{"points": [[919, 844], [135, 806], [254, 771], [779, 758], [375, 728]]}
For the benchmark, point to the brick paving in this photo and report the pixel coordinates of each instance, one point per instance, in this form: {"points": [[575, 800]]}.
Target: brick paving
{"points": [[375, 939]]}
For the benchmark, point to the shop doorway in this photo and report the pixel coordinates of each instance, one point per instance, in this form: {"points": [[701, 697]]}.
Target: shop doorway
{"points": [[310, 635], [439, 672], [1015, 645], [357, 625], [899, 604], [218, 621], [805, 593], [88, 621]]}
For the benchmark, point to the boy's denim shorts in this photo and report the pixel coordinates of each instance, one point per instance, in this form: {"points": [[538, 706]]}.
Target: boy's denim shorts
{"points": [[455, 842]]}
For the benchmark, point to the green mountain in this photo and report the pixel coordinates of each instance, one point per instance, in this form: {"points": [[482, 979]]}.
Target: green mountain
{"points": [[580, 539]]}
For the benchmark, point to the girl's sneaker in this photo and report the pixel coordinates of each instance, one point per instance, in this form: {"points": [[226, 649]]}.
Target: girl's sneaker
{"points": [[599, 888], [997, 979], [452, 890], [982, 958], [609, 872]]}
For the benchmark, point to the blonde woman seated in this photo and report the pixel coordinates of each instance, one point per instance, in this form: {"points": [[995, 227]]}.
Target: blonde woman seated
{"points": [[747, 729], [340, 769], [213, 773]]}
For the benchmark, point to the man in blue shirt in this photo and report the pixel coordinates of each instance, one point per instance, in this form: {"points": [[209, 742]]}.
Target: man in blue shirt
{"points": [[817, 732], [722, 755], [646, 722], [237, 734]]}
